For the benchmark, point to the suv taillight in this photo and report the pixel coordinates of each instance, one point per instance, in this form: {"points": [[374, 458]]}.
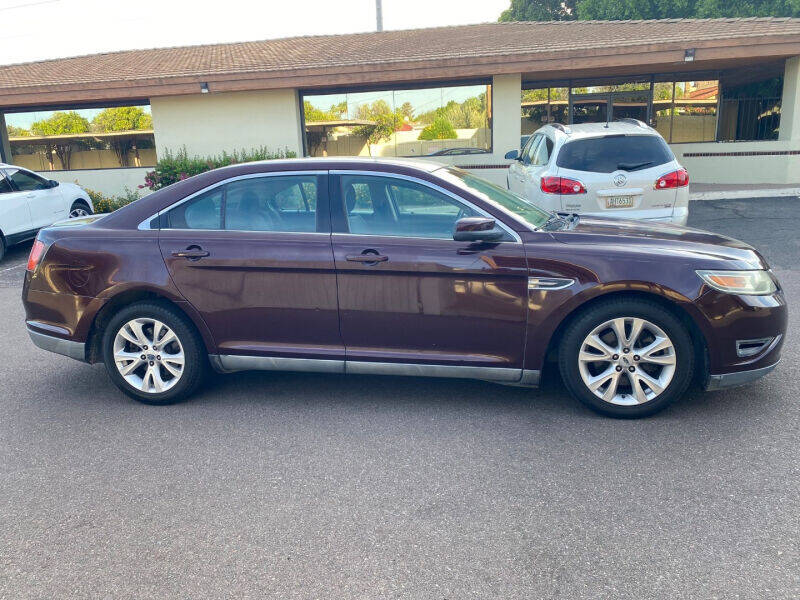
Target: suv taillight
{"points": [[37, 252], [562, 185], [676, 179]]}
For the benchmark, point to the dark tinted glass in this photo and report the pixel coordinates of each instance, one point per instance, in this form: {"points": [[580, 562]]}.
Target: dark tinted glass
{"points": [[612, 153], [5, 187], [201, 212], [272, 204], [395, 207], [28, 182]]}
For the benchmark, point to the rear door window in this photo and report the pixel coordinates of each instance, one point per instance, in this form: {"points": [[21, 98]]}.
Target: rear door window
{"points": [[615, 153]]}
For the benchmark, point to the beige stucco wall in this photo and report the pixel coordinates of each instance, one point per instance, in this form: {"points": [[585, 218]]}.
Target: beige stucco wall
{"points": [[741, 169], [208, 124], [90, 159], [111, 182]]}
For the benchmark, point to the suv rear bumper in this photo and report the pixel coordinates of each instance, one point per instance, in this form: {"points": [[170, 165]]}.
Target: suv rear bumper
{"points": [[51, 343]]}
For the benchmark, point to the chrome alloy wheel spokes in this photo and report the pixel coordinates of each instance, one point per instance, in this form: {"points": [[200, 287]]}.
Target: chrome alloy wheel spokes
{"points": [[149, 355], [78, 212], [627, 361]]}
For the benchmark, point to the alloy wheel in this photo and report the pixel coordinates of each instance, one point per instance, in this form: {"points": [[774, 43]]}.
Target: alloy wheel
{"points": [[78, 211], [627, 361], [149, 355]]}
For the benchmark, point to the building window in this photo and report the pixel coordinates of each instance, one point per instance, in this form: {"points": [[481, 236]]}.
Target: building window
{"points": [[84, 138], [683, 111], [688, 111], [400, 122], [751, 111]]}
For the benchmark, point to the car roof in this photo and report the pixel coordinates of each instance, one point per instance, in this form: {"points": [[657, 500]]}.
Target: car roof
{"points": [[350, 161], [591, 130]]}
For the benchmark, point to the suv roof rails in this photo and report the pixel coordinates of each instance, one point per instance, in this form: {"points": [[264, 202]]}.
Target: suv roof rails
{"points": [[560, 127], [632, 121]]}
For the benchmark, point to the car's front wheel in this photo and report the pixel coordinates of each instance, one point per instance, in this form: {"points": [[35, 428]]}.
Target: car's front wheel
{"points": [[626, 358], [153, 353], [79, 208]]}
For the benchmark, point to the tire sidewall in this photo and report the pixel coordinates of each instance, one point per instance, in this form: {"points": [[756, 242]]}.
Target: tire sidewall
{"points": [[194, 353], [653, 312], [81, 204]]}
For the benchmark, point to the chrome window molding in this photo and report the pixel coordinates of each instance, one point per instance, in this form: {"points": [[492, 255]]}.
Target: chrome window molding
{"points": [[432, 186], [145, 224]]}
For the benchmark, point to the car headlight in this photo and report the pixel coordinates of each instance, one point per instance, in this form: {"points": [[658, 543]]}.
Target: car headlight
{"points": [[755, 283]]}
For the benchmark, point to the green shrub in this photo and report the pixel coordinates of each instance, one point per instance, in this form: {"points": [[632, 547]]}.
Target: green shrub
{"points": [[440, 129], [107, 204], [176, 167]]}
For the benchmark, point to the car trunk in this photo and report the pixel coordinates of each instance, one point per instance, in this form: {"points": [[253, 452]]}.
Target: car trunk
{"points": [[619, 192]]}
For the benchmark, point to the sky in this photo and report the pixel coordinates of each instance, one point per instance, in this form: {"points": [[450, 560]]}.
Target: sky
{"points": [[41, 29]]}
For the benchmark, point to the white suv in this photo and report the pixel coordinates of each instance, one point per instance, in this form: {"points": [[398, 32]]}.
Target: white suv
{"points": [[622, 169], [29, 202]]}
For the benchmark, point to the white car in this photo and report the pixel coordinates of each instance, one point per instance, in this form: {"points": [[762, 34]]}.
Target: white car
{"points": [[29, 202], [621, 169]]}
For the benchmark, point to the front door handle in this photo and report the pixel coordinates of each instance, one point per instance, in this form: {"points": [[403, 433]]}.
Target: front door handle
{"points": [[192, 253], [367, 258]]}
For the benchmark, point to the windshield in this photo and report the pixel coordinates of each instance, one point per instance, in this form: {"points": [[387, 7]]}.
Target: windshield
{"points": [[527, 211]]}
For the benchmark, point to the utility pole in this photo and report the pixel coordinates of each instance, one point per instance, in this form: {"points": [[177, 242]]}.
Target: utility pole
{"points": [[379, 14]]}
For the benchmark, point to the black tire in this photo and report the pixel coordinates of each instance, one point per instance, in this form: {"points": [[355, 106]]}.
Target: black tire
{"points": [[2, 247], [195, 357], [595, 316], [80, 204]]}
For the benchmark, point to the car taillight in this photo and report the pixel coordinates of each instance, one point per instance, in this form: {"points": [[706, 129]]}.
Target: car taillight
{"points": [[37, 252], [562, 185], [676, 179]]}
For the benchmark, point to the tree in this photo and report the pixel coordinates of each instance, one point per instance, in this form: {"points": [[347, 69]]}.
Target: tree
{"points": [[540, 10], [407, 111], [313, 114], [17, 131], [60, 123], [122, 118], [440, 129], [547, 10], [385, 122]]}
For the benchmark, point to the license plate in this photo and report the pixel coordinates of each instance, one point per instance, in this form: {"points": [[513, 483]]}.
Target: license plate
{"points": [[619, 202]]}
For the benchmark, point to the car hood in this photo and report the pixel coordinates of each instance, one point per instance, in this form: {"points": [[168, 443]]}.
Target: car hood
{"points": [[662, 238]]}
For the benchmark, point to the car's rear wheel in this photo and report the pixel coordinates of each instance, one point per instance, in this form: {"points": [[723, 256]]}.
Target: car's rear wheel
{"points": [[2, 247], [153, 353], [78, 209], [627, 358]]}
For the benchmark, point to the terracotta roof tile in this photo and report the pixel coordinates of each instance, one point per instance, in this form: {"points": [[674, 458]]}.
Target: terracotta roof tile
{"points": [[383, 49]]}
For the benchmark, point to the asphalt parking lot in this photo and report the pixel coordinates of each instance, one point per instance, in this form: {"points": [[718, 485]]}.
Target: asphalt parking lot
{"points": [[319, 486]]}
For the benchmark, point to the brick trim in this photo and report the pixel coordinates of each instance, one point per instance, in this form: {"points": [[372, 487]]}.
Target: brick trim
{"points": [[751, 153]]}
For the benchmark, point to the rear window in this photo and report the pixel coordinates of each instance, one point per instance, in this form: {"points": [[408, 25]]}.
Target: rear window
{"points": [[614, 153]]}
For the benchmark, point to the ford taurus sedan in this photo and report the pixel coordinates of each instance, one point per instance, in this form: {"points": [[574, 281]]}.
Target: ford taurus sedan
{"points": [[398, 268]]}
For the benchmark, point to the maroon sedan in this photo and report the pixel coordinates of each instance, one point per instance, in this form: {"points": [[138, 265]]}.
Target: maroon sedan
{"points": [[398, 268]]}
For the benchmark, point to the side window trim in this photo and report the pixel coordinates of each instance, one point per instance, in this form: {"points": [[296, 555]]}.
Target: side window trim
{"points": [[160, 217], [339, 217]]}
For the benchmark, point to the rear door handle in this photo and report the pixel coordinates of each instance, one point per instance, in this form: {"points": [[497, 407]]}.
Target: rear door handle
{"points": [[191, 253], [367, 258]]}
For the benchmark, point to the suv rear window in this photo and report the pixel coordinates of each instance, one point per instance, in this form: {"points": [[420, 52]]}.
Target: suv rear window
{"points": [[615, 152]]}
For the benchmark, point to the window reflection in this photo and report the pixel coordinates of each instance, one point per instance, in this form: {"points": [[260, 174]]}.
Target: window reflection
{"points": [[412, 122], [86, 138]]}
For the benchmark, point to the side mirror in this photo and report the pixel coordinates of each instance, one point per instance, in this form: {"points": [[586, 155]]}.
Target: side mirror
{"points": [[53, 183], [476, 229], [512, 155]]}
